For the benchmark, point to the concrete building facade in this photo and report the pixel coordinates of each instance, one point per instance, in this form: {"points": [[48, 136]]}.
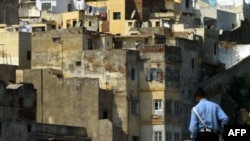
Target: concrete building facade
{"points": [[70, 102], [160, 99]]}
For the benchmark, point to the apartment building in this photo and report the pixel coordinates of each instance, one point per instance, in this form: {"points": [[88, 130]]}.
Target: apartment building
{"points": [[160, 97]]}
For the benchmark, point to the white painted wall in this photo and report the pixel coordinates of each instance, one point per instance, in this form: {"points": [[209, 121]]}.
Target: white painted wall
{"points": [[148, 130], [225, 20], [231, 57], [78, 4], [246, 9], [229, 2], [57, 6]]}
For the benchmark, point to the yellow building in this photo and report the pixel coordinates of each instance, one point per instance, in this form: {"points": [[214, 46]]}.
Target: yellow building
{"points": [[72, 19], [115, 20], [9, 46]]}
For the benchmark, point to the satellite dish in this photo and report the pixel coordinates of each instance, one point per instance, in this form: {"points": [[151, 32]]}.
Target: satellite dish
{"points": [[133, 14]]}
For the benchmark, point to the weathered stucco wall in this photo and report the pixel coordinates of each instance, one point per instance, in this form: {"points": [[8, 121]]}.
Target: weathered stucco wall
{"points": [[9, 43], [72, 102], [113, 68], [49, 54]]}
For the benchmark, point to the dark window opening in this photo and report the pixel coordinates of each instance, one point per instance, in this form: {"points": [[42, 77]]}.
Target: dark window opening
{"points": [[187, 3], [135, 138], [28, 55], [130, 24], [177, 108], [74, 23], [29, 128], [116, 15], [215, 49], [78, 63], [192, 63], [53, 26], [157, 24], [105, 114], [168, 106], [133, 74], [90, 44], [68, 25], [176, 76]]}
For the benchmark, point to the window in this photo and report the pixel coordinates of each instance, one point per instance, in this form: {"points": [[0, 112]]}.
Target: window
{"points": [[78, 63], [158, 107], [187, 3], [29, 128], [135, 138], [133, 74], [154, 74], [176, 75], [157, 24], [28, 55], [176, 136], [116, 15], [168, 74], [215, 49], [176, 107], [130, 24], [105, 114], [158, 136], [90, 44], [168, 136], [74, 23], [135, 107], [168, 106], [90, 23], [158, 104], [192, 63]]}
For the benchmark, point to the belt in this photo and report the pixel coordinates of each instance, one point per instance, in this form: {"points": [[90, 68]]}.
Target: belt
{"points": [[208, 130]]}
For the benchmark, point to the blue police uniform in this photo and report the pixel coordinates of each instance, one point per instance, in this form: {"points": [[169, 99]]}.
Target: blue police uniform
{"points": [[214, 118]]}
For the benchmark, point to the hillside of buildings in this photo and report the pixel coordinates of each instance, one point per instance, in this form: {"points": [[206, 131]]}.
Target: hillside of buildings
{"points": [[109, 70]]}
